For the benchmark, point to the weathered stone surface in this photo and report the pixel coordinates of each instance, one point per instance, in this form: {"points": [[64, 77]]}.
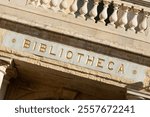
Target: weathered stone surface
{"points": [[87, 30], [123, 44], [52, 50]]}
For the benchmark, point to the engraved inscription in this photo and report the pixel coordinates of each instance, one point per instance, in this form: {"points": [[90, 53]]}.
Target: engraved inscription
{"points": [[26, 43], [89, 60], [42, 47], [95, 61]]}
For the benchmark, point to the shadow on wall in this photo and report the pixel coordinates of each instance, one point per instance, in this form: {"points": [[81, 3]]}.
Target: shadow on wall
{"points": [[138, 86]]}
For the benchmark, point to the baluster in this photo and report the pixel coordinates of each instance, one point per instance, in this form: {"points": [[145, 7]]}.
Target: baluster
{"points": [[114, 17], [54, 4], [123, 20], [144, 24], [84, 10], [38, 3], [93, 13], [134, 21], [103, 15], [35, 3], [45, 3], [64, 5], [73, 7], [31, 2]]}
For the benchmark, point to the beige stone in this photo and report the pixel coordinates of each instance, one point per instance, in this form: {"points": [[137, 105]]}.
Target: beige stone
{"points": [[54, 23]]}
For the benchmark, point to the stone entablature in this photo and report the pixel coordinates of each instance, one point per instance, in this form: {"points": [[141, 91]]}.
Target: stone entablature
{"points": [[66, 67], [24, 12], [50, 18], [120, 70], [65, 21]]}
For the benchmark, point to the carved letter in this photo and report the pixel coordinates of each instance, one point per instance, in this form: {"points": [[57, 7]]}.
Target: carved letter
{"points": [[51, 51], [121, 68], [90, 60], [79, 57], [34, 46], [27, 43], [42, 47], [100, 62], [62, 50], [69, 55], [110, 65]]}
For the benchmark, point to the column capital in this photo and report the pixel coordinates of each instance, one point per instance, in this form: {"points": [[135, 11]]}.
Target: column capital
{"points": [[7, 68], [7, 71]]}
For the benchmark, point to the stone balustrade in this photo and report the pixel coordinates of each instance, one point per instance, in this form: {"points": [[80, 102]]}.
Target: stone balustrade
{"points": [[109, 12]]}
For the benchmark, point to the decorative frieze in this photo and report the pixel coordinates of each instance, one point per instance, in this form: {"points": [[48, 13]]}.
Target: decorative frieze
{"points": [[120, 70]]}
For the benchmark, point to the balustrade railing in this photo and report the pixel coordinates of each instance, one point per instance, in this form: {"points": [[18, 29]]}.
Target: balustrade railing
{"points": [[109, 12]]}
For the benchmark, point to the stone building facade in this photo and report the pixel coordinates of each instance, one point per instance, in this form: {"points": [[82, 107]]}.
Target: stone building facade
{"points": [[74, 49]]}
